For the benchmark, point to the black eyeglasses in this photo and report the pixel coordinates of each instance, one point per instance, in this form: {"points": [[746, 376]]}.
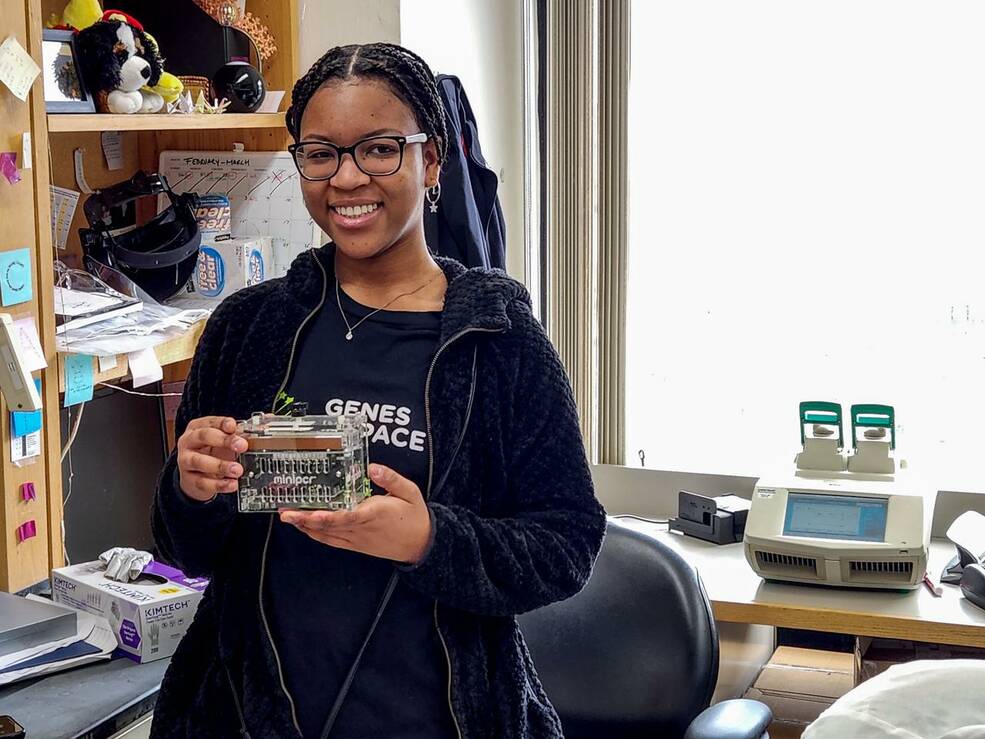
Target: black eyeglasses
{"points": [[377, 156]]}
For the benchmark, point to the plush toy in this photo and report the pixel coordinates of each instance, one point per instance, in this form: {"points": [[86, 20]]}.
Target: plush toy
{"points": [[118, 60], [168, 87], [79, 14]]}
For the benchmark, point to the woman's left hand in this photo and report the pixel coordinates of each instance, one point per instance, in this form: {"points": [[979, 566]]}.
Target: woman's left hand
{"points": [[395, 526]]}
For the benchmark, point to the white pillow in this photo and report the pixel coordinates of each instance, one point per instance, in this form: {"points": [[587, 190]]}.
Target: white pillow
{"points": [[928, 699]]}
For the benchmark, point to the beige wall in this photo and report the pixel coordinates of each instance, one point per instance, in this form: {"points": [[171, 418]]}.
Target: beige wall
{"points": [[328, 23]]}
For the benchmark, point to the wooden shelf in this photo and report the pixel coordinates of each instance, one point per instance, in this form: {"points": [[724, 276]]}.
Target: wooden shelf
{"points": [[176, 350], [72, 123]]}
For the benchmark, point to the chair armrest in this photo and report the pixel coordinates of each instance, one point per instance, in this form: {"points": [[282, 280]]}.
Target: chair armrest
{"points": [[734, 719]]}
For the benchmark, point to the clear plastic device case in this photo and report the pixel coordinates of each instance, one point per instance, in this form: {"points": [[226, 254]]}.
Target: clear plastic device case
{"points": [[310, 462]]}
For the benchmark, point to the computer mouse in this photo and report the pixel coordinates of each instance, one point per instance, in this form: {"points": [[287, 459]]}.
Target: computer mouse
{"points": [[973, 584]]}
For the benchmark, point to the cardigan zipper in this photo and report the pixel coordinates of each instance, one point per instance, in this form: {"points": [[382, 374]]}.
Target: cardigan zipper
{"points": [[263, 557], [427, 416], [297, 334], [244, 732]]}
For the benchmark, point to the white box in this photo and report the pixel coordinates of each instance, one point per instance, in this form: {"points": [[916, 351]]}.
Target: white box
{"points": [[149, 616], [227, 266]]}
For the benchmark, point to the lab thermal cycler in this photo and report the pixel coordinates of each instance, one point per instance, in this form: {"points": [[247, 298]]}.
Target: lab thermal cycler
{"points": [[849, 521]]}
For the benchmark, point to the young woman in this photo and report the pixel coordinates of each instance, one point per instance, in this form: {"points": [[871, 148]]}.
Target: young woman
{"points": [[395, 619]]}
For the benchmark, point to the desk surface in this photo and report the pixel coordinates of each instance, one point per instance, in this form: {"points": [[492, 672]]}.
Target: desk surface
{"points": [[95, 700], [739, 595]]}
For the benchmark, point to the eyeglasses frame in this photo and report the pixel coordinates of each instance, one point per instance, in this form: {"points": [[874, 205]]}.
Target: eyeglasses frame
{"points": [[402, 141]]}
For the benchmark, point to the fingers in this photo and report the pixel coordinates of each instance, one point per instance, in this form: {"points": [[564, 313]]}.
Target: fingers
{"points": [[222, 423], [209, 436], [203, 487], [395, 484], [206, 460], [209, 465], [328, 520]]}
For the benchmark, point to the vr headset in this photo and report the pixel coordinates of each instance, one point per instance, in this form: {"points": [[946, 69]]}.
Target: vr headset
{"points": [[158, 256]]}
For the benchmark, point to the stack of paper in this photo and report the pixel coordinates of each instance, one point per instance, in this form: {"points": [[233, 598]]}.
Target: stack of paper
{"points": [[78, 308], [94, 641]]}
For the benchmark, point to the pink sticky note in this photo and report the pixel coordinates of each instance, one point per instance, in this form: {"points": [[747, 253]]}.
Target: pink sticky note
{"points": [[28, 492], [8, 167]]}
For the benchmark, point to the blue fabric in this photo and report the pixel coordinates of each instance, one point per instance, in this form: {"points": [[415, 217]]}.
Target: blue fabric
{"points": [[515, 522], [469, 225]]}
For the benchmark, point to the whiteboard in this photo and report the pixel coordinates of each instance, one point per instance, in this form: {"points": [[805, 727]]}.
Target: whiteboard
{"points": [[264, 194]]}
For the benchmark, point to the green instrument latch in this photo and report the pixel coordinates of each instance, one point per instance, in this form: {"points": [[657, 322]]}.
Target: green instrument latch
{"points": [[824, 413], [873, 416]]}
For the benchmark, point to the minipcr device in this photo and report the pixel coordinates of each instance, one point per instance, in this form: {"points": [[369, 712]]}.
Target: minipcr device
{"points": [[309, 462]]}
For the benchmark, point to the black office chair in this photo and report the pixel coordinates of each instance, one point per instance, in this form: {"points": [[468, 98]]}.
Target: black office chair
{"points": [[635, 654]]}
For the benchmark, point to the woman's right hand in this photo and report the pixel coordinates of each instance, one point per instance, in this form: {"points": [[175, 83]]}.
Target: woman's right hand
{"points": [[207, 454]]}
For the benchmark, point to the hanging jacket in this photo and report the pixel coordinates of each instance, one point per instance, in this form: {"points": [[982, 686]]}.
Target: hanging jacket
{"points": [[515, 522], [469, 225]]}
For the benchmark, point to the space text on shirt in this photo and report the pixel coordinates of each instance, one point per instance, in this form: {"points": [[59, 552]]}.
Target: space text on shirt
{"points": [[382, 417]]}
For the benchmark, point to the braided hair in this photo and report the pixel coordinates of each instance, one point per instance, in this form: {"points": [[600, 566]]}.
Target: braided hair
{"points": [[409, 76]]}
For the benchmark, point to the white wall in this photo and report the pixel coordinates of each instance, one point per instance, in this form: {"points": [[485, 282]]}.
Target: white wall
{"points": [[328, 23], [481, 42]]}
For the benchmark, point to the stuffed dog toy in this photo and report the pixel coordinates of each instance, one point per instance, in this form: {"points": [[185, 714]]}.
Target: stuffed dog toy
{"points": [[118, 60]]}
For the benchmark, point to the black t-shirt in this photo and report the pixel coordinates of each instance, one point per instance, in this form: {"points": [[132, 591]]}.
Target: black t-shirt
{"points": [[322, 600]]}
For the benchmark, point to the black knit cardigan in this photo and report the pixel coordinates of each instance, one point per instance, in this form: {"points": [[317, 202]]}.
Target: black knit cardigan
{"points": [[515, 522]]}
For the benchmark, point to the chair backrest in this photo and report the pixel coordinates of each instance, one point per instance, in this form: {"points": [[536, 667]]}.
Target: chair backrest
{"points": [[635, 653]]}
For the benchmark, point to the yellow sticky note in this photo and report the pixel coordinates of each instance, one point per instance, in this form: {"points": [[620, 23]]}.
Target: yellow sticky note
{"points": [[17, 69]]}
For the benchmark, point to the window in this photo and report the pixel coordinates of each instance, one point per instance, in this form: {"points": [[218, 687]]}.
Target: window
{"points": [[807, 222]]}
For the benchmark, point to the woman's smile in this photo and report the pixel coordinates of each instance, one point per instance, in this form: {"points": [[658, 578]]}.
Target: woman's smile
{"points": [[355, 216]]}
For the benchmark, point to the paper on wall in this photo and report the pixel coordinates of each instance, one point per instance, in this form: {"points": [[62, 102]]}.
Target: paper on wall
{"points": [[27, 156], [112, 149], [24, 449], [145, 367], [16, 285], [26, 334], [63, 205], [78, 379], [17, 69]]}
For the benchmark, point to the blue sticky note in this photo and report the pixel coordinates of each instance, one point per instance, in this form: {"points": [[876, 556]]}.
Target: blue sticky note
{"points": [[15, 276], [78, 379], [23, 423]]}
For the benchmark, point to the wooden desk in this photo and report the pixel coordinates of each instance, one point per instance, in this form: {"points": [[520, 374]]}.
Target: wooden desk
{"points": [[739, 595]]}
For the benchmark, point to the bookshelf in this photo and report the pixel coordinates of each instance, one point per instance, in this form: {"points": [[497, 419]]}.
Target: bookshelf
{"points": [[25, 217]]}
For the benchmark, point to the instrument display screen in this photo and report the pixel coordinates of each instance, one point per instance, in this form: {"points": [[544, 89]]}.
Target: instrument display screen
{"points": [[835, 517]]}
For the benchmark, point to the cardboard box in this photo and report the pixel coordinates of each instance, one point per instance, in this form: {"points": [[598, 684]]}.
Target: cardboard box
{"points": [[148, 616], [874, 656], [214, 217], [798, 684], [227, 266]]}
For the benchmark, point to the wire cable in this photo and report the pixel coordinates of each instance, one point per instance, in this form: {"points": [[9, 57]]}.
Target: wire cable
{"points": [[663, 521], [74, 432], [137, 392]]}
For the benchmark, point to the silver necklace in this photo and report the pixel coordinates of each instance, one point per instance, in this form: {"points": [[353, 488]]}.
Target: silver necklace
{"points": [[338, 300]]}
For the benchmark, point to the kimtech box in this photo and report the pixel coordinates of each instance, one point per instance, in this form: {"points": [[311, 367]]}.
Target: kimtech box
{"points": [[148, 616]]}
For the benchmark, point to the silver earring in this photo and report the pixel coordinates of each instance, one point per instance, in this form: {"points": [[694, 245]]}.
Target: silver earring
{"points": [[432, 194]]}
